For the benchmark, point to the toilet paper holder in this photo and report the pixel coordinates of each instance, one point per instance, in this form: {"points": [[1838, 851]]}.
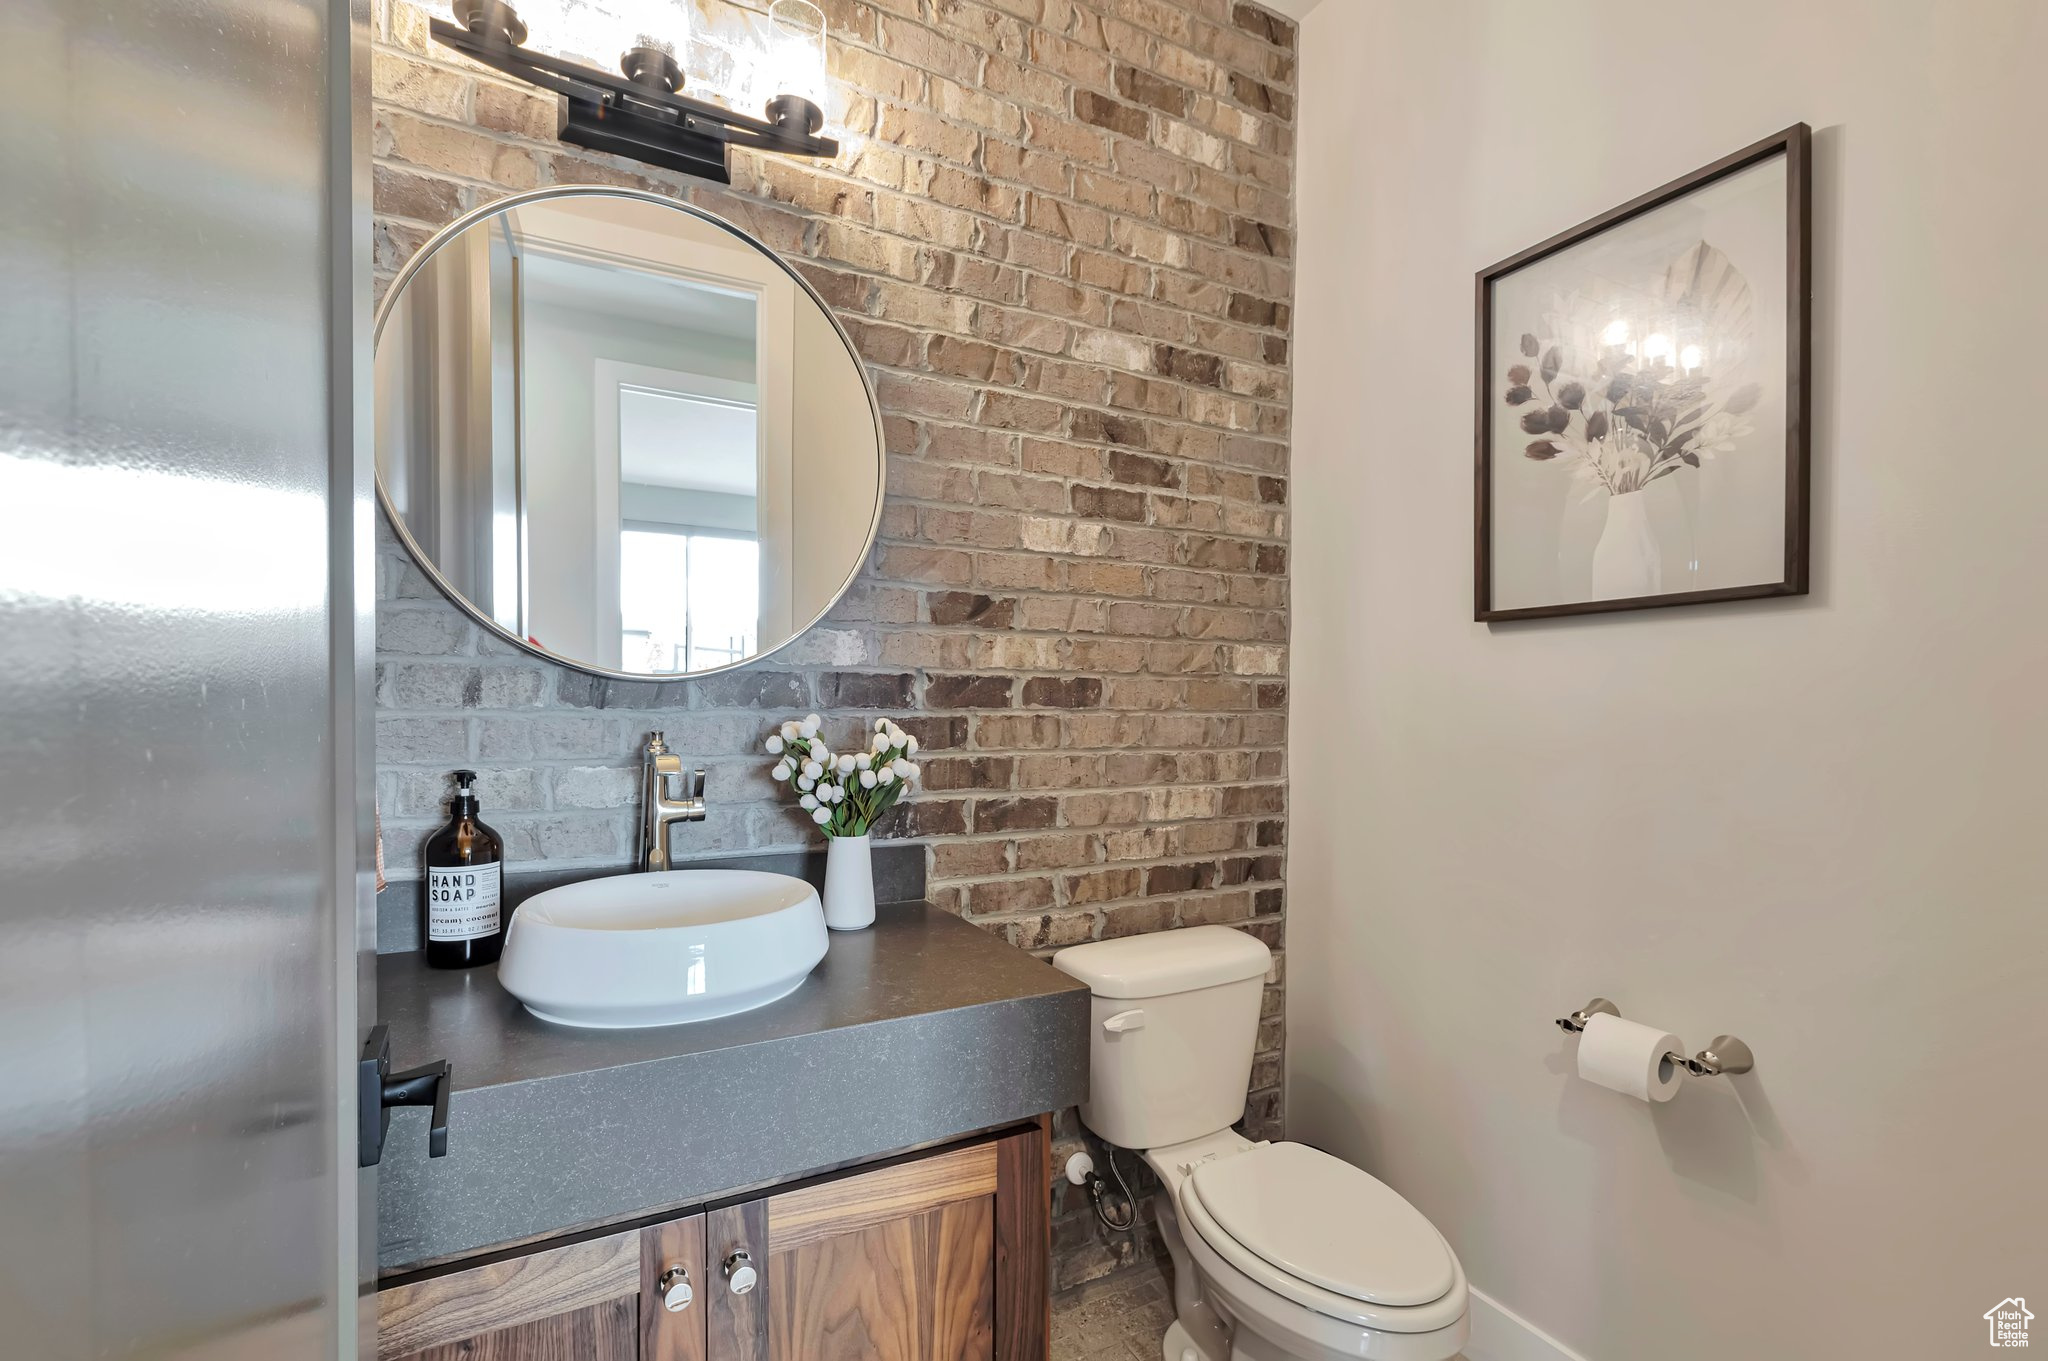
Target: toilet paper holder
{"points": [[1726, 1056]]}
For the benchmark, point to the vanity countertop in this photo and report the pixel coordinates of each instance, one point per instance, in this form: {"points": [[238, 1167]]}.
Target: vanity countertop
{"points": [[919, 1029]]}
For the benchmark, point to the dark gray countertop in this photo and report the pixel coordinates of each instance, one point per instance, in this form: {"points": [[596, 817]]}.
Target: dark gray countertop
{"points": [[919, 1029]]}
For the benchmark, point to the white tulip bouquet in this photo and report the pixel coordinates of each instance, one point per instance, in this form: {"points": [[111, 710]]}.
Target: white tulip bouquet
{"points": [[844, 792]]}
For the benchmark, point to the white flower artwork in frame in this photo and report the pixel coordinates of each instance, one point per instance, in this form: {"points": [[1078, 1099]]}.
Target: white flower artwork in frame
{"points": [[1642, 399]]}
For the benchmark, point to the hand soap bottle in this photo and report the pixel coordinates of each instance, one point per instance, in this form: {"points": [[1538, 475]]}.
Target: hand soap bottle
{"points": [[465, 890]]}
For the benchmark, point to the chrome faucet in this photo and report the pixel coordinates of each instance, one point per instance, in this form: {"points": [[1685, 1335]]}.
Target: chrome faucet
{"points": [[658, 811]]}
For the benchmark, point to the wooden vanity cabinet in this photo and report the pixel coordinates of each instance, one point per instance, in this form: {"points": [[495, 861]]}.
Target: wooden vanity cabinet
{"points": [[938, 1257], [578, 1302]]}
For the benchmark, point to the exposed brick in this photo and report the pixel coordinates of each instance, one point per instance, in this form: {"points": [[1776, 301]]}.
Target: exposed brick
{"points": [[1100, 886], [754, 689], [514, 109], [422, 739], [1105, 112], [1004, 732], [1244, 869], [1103, 428], [964, 358], [969, 607], [1062, 850], [408, 193], [1009, 895], [1141, 470], [1109, 503], [1165, 879], [968, 692], [1261, 238], [1256, 94], [1134, 919], [966, 859], [1015, 815], [1264, 25], [1252, 310], [866, 690], [930, 817], [1032, 169], [1061, 240], [1142, 87], [975, 772], [1019, 493], [937, 732], [1063, 692], [1053, 929], [1188, 366]]}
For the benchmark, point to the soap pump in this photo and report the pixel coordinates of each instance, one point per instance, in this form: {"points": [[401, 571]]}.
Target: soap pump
{"points": [[465, 886]]}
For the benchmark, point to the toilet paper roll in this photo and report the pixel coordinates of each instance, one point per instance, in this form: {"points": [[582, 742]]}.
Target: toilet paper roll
{"points": [[1628, 1057]]}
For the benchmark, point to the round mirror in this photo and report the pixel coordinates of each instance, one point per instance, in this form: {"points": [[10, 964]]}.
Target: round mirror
{"points": [[623, 434]]}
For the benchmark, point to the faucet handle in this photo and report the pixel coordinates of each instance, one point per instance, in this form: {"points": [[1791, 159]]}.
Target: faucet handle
{"points": [[695, 788]]}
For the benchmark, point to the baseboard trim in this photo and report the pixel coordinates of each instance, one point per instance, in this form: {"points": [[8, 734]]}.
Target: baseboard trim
{"points": [[1500, 1334]]}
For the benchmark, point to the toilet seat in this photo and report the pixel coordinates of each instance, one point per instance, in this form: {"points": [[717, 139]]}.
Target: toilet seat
{"points": [[1321, 1220], [1327, 1236]]}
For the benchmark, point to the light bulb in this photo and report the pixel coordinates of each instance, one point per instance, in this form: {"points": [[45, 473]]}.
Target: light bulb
{"points": [[1616, 333], [600, 32], [791, 75], [653, 39], [1657, 346], [1691, 357]]}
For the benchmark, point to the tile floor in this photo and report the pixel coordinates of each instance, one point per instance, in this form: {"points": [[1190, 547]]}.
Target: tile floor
{"points": [[1119, 1318]]}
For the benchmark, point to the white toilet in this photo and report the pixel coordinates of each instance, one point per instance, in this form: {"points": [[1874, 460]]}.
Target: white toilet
{"points": [[1280, 1251]]}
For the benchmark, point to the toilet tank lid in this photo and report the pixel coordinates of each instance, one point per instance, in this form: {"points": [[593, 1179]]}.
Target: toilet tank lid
{"points": [[1165, 962]]}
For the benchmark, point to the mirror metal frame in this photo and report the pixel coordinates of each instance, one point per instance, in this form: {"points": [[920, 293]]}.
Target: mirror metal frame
{"points": [[462, 602]]}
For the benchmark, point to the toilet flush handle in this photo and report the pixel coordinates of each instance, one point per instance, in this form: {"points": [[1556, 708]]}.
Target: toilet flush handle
{"points": [[1125, 1020]]}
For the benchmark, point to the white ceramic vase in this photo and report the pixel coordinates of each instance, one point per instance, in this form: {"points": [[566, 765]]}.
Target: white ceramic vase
{"points": [[1627, 561], [849, 883]]}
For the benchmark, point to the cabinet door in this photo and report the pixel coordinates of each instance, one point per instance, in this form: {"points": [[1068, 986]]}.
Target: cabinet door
{"points": [[609, 1299], [941, 1258], [574, 1303], [672, 1320]]}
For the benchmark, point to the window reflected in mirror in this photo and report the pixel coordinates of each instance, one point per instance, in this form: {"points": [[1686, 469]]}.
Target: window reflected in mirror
{"points": [[701, 627]]}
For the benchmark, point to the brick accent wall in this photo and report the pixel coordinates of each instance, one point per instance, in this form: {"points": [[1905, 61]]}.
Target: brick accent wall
{"points": [[1060, 233]]}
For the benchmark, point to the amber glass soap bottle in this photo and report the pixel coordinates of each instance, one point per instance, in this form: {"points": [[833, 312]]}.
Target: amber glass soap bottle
{"points": [[465, 889]]}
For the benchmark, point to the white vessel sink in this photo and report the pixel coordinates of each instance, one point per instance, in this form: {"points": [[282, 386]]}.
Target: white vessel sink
{"points": [[660, 949]]}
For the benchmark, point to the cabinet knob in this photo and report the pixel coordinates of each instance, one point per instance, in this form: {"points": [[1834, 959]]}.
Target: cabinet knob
{"points": [[675, 1289], [739, 1272]]}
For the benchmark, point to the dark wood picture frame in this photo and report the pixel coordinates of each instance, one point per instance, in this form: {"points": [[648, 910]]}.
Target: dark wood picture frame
{"points": [[1795, 145]]}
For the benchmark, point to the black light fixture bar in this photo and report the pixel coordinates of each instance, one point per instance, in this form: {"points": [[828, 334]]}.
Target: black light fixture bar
{"points": [[640, 119]]}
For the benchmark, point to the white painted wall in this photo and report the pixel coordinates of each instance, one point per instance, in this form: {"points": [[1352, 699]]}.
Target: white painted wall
{"points": [[1818, 823]]}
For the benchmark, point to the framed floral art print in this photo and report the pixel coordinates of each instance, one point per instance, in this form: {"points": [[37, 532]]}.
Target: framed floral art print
{"points": [[1642, 399]]}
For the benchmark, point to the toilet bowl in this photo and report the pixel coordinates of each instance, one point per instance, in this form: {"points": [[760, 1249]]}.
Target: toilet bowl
{"points": [[1281, 1252], [1302, 1257]]}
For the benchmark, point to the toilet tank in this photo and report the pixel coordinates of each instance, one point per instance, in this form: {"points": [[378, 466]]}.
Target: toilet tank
{"points": [[1173, 1021]]}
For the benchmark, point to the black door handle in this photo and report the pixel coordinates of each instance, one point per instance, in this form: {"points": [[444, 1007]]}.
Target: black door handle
{"points": [[426, 1085], [378, 1089]]}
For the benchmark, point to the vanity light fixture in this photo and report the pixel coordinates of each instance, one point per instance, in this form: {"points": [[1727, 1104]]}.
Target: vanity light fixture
{"points": [[642, 112]]}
